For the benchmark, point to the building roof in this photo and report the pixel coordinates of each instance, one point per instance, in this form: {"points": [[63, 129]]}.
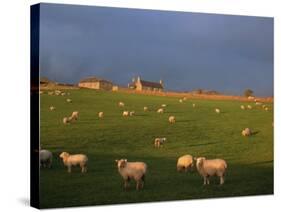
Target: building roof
{"points": [[151, 84], [94, 79]]}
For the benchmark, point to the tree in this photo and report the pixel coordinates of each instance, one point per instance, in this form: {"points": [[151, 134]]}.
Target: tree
{"points": [[248, 92]]}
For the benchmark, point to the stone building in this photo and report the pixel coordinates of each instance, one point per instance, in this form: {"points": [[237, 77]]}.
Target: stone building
{"points": [[95, 83], [142, 85]]}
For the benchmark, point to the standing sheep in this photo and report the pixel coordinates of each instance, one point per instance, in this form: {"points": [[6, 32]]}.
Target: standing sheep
{"points": [[75, 115], [132, 113], [246, 132], [66, 120], [193, 105], [145, 109], [172, 119], [185, 163], [52, 108], [69, 100], [159, 142], [121, 104], [249, 107], [100, 114], [74, 160], [46, 158], [160, 110], [163, 105], [132, 170], [242, 107], [217, 110], [125, 113], [207, 168], [180, 100]]}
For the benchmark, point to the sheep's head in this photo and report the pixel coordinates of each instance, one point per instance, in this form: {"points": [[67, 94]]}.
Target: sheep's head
{"points": [[64, 155], [199, 161], [121, 163]]}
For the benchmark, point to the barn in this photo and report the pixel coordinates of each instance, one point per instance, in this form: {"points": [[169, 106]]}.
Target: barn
{"points": [[95, 83], [142, 85]]}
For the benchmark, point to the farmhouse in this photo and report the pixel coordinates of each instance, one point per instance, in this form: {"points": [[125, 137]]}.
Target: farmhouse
{"points": [[142, 85], [95, 83]]}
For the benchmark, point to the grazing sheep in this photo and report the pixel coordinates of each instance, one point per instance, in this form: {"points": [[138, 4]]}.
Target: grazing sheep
{"points": [[57, 92], [45, 158], [266, 108], [159, 142], [132, 170], [66, 120], [75, 115], [180, 101], [185, 163], [193, 105], [207, 168], [160, 110], [125, 113], [163, 105], [242, 107], [74, 160], [184, 98], [249, 107], [172, 119], [145, 109], [50, 93], [217, 110], [63, 94], [69, 100], [52, 108], [246, 132], [121, 104], [132, 113], [258, 103], [100, 114]]}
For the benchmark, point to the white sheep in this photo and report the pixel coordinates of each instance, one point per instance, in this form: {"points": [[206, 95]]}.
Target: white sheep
{"points": [[242, 107], [163, 105], [266, 108], [249, 107], [193, 105], [75, 115], [160, 110], [258, 103], [52, 108], [74, 160], [145, 109], [159, 142], [180, 100], [125, 113], [121, 104], [100, 114], [217, 110], [46, 158], [69, 100], [246, 132], [66, 120], [185, 163], [207, 168], [172, 119], [132, 113], [132, 170], [184, 98], [50, 93], [63, 94], [57, 92]]}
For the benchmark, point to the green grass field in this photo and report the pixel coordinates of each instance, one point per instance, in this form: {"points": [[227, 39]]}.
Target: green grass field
{"points": [[198, 131]]}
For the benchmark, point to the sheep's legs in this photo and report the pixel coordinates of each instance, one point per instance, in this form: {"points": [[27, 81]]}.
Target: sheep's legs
{"points": [[69, 169], [83, 169], [205, 180], [221, 180], [126, 184]]}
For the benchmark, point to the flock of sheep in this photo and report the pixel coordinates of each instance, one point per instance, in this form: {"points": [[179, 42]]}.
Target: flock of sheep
{"points": [[137, 170]]}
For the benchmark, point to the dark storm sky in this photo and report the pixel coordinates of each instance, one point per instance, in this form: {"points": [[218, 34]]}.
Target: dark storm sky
{"points": [[186, 50]]}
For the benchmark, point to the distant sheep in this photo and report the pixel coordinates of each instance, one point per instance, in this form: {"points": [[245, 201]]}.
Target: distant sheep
{"points": [[145, 109], [193, 105], [251, 97], [132, 113], [75, 115], [63, 94], [52, 108], [159, 142], [132, 170], [121, 104], [69, 100], [160, 110], [172, 119], [246, 132], [242, 107], [180, 100], [185, 163], [50, 93], [249, 107], [266, 108], [258, 103], [74, 160], [207, 168], [184, 98], [57, 92], [100, 114], [163, 105], [46, 158], [66, 120], [125, 113], [217, 110]]}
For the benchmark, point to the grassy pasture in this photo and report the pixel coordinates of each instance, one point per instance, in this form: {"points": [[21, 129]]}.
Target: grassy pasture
{"points": [[198, 131]]}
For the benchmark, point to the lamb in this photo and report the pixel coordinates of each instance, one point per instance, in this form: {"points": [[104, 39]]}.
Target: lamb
{"points": [[66, 120], [242, 107], [74, 160], [172, 119], [132, 170], [246, 132], [100, 114], [52, 108], [75, 115], [45, 158], [132, 113], [69, 100], [207, 168], [217, 110], [185, 163], [159, 142], [160, 110], [121, 104], [145, 109], [249, 107], [125, 113]]}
